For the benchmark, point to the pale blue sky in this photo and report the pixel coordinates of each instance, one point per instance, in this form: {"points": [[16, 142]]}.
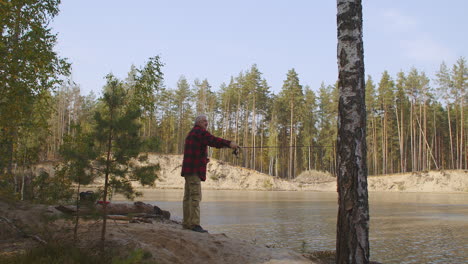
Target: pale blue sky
{"points": [[217, 39]]}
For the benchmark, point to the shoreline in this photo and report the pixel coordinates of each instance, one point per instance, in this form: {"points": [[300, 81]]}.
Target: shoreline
{"points": [[321, 191], [164, 241]]}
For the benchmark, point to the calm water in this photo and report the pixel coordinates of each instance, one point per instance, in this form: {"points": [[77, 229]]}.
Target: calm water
{"points": [[404, 227]]}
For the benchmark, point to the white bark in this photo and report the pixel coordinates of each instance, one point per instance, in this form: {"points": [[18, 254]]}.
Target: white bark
{"points": [[353, 214]]}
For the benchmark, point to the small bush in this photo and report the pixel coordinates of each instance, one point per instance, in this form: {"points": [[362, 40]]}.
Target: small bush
{"points": [[49, 190]]}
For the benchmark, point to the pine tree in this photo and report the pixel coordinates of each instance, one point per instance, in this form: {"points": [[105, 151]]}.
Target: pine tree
{"points": [[293, 97], [327, 118], [460, 86], [78, 151], [116, 133], [401, 111], [257, 90], [371, 111], [227, 96], [308, 133], [412, 87], [276, 128], [385, 104], [183, 94]]}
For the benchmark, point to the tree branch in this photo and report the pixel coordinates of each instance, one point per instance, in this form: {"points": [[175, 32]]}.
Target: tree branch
{"points": [[35, 237]]}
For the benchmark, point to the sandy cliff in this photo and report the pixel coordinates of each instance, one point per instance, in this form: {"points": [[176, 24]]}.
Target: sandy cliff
{"points": [[222, 175]]}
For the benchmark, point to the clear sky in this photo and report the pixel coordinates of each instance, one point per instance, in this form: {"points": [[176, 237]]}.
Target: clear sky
{"points": [[215, 39]]}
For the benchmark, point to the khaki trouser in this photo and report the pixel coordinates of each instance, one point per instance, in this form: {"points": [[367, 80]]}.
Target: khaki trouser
{"points": [[192, 199]]}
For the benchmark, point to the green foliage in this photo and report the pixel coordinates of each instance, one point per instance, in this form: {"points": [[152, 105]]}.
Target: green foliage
{"points": [[78, 152], [146, 175], [291, 98], [308, 128], [182, 97], [49, 190], [152, 144], [30, 70], [147, 81], [137, 256], [327, 129]]}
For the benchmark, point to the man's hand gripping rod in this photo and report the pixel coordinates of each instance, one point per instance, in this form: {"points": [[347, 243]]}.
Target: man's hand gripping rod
{"points": [[235, 152]]}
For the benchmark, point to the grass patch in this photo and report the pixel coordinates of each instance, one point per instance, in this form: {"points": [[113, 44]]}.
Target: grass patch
{"points": [[217, 177], [69, 254], [267, 184], [54, 254]]}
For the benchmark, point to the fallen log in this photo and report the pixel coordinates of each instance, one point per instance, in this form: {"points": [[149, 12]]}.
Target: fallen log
{"points": [[135, 209], [125, 208], [68, 209]]}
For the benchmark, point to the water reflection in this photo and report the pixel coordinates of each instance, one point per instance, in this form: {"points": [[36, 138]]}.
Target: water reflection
{"points": [[404, 227]]}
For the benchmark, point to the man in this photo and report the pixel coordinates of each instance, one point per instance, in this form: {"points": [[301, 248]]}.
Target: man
{"points": [[194, 169]]}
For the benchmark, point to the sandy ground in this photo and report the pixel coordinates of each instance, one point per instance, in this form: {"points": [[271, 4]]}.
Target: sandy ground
{"points": [[166, 240]]}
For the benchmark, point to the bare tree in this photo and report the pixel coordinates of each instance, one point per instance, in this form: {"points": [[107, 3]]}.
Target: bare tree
{"points": [[352, 244]]}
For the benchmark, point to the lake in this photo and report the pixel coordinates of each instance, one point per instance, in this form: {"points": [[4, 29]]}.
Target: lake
{"points": [[404, 227]]}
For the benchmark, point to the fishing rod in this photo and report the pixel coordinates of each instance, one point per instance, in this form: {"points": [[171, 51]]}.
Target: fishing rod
{"points": [[236, 151], [317, 146]]}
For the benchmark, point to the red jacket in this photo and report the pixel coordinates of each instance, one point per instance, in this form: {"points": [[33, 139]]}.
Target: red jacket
{"points": [[195, 152]]}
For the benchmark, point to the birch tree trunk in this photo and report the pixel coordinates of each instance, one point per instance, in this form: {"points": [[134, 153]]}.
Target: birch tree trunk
{"points": [[352, 243]]}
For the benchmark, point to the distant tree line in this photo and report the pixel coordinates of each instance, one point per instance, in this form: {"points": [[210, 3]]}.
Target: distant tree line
{"points": [[412, 125]]}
